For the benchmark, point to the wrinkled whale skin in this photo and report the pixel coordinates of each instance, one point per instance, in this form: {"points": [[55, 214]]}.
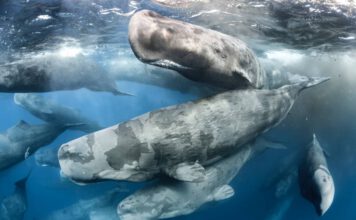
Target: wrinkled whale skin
{"points": [[197, 53]]}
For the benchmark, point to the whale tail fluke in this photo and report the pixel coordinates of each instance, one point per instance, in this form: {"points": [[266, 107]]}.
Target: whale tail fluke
{"points": [[304, 83], [313, 81]]}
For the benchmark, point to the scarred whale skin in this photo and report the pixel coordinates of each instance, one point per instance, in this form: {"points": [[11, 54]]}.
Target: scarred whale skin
{"points": [[178, 140], [172, 198], [198, 53]]}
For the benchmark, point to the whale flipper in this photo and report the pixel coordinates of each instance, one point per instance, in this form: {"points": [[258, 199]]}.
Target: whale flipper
{"points": [[21, 125], [223, 192], [187, 172], [14, 133]]}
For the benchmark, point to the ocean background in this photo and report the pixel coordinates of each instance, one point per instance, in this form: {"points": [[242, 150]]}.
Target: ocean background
{"points": [[313, 38]]}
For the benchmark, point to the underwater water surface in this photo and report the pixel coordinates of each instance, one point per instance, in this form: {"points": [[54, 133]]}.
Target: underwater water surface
{"points": [[310, 38]]}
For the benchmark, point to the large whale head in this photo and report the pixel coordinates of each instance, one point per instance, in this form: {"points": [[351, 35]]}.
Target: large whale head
{"points": [[324, 190], [112, 153], [197, 53]]}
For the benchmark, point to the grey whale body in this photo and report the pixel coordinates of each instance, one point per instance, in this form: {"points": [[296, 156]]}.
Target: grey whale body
{"points": [[52, 72], [315, 181], [178, 140], [172, 198], [197, 53], [54, 113]]}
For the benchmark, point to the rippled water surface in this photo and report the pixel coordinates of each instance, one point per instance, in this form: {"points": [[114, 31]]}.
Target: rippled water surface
{"points": [[306, 37]]}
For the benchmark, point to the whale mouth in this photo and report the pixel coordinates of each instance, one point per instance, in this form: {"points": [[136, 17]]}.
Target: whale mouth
{"points": [[130, 214], [169, 64], [84, 181]]}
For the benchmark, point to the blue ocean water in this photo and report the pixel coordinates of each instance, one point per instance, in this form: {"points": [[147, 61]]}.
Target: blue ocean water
{"points": [[313, 38]]}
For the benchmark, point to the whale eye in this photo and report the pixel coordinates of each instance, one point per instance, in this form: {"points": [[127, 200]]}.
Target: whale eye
{"points": [[154, 212]]}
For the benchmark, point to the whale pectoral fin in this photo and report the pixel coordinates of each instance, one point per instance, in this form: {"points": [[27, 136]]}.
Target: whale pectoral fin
{"points": [[15, 132], [223, 192], [187, 172]]}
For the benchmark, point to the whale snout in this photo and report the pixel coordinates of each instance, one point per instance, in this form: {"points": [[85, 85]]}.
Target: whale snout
{"points": [[63, 152], [126, 205], [125, 209], [77, 162]]}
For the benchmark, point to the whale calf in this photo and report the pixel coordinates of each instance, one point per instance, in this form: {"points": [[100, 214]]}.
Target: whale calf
{"points": [[195, 52], [178, 140], [172, 198], [52, 72], [52, 112], [315, 181]]}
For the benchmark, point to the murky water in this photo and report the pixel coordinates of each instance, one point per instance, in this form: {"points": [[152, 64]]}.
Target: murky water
{"points": [[89, 37]]}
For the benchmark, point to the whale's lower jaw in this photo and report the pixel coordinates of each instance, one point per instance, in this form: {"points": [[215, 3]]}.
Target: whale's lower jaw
{"points": [[170, 65]]}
